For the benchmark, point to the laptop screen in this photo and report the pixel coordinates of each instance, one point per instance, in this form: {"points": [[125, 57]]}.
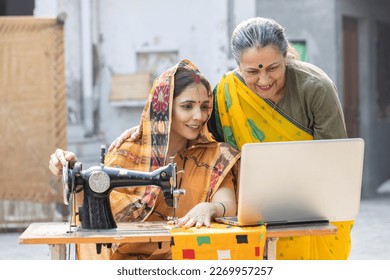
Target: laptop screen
{"points": [[300, 181]]}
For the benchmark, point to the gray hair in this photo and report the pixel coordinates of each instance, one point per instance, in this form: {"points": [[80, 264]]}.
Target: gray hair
{"points": [[258, 32]]}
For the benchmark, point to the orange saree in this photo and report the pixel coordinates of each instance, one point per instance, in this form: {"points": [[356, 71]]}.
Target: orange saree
{"points": [[202, 167]]}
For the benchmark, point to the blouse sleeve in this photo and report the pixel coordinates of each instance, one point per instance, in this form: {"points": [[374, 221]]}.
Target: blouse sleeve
{"points": [[327, 112], [230, 181]]}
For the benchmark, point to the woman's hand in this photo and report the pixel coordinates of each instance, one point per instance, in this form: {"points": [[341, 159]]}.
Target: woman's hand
{"points": [[199, 216], [132, 134], [58, 160], [223, 203]]}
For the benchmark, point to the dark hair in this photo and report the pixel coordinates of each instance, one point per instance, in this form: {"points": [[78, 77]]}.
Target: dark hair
{"points": [[259, 32], [185, 77]]}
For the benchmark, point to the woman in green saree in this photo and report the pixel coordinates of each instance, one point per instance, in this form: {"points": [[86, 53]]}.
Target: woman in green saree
{"points": [[270, 97]]}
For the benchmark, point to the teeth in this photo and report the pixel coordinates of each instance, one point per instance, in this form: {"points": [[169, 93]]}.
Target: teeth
{"points": [[266, 87], [193, 126]]}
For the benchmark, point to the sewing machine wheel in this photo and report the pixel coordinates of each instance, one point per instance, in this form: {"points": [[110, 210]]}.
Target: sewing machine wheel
{"points": [[99, 182], [66, 184]]}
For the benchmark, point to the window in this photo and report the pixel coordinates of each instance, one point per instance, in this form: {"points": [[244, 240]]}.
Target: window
{"points": [[300, 47]]}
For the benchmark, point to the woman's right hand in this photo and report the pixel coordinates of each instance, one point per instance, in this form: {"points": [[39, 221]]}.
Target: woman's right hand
{"points": [[198, 216], [132, 134], [58, 160]]}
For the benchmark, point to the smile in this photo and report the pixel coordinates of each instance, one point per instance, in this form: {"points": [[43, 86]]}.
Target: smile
{"points": [[265, 87], [193, 126]]}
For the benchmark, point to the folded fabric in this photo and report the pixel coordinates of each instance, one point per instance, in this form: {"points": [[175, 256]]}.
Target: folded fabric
{"points": [[219, 242]]}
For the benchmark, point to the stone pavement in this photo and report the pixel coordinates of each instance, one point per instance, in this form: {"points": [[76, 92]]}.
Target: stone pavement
{"points": [[370, 236]]}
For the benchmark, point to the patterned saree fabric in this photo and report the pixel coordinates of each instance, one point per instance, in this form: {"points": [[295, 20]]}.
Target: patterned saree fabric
{"points": [[265, 122], [219, 242], [202, 167], [238, 105]]}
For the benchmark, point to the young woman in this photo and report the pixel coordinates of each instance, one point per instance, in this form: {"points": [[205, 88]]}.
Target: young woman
{"points": [[173, 124]]}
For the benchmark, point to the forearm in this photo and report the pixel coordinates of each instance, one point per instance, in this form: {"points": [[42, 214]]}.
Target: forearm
{"points": [[224, 208], [224, 201]]}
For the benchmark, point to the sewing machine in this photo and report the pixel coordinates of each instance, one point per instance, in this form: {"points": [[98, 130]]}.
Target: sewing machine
{"points": [[98, 181]]}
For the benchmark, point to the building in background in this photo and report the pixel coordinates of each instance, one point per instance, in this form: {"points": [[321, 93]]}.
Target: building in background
{"points": [[114, 49]]}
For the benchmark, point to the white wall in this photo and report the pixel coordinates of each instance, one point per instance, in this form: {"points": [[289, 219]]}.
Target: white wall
{"points": [[312, 21], [196, 30]]}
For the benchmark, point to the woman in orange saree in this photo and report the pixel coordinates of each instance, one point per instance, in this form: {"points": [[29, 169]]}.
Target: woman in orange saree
{"points": [[173, 124]]}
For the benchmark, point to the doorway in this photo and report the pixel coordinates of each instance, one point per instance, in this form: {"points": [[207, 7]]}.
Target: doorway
{"points": [[350, 76]]}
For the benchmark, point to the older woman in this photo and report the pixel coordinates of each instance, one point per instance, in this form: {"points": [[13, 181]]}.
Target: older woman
{"points": [[279, 98]]}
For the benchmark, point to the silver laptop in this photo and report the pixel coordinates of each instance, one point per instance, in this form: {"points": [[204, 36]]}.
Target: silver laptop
{"points": [[299, 181]]}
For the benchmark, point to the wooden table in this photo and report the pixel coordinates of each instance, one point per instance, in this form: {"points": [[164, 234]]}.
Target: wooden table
{"points": [[295, 230], [58, 235]]}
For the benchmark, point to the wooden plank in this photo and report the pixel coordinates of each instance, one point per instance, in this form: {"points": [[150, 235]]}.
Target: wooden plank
{"points": [[58, 251], [313, 229], [130, 87], [61, 233]]}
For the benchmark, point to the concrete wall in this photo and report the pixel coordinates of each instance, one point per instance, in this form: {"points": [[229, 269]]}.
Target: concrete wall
{"points": [[200, 30], [197, 30], [319, 23], [118, 30], [375, 131], [131, 27], [312, 21]]}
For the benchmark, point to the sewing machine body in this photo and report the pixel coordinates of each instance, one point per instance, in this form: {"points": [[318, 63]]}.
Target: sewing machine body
{"points": [[98, 181]]}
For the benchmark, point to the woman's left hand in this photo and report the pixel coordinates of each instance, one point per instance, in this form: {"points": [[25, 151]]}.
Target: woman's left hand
{"points": [[198, 216]]}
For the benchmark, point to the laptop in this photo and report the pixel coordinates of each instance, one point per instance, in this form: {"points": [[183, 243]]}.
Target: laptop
{"points": [[299, 182]]}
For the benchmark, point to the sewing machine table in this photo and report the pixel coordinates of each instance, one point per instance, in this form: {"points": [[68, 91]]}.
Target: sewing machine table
{"points": [[57, 235]]}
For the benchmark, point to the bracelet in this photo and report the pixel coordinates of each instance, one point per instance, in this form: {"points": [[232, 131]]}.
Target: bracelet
{"points": [[224, 209]]}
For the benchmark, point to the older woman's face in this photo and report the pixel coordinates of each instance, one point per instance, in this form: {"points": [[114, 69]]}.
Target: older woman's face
{"points": [[263, 70]]}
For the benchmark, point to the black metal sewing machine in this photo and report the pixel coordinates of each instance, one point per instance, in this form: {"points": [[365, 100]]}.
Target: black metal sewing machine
{"points": [[97, 182]]}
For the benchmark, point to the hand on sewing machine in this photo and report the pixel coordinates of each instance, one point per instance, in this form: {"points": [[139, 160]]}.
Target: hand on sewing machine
{"points": [[58, 160], [132, 134]]}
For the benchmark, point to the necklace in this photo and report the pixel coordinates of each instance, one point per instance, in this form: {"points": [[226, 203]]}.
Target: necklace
{"points": [[270, 102], [275, 104]]}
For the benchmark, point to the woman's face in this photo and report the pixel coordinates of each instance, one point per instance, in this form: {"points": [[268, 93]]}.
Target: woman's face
{"points": [[189, 114], [263, 70]]}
